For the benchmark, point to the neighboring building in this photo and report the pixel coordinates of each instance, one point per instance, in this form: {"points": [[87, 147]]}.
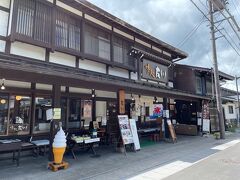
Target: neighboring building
{"points": [[230, 105], [200, 80]]}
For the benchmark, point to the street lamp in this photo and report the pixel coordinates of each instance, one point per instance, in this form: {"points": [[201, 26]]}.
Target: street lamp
{"points": [[238, 99]]}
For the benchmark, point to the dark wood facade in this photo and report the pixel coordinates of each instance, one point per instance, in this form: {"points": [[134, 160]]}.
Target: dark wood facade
{"points": [[55, 29]]}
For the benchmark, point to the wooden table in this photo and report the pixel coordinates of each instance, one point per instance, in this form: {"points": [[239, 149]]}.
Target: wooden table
{"points": [[85, 144], [12, 147]]}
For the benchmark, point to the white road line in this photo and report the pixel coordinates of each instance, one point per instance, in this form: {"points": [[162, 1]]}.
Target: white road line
{"points": [[176, 166], [163, 171], [226, 145]]}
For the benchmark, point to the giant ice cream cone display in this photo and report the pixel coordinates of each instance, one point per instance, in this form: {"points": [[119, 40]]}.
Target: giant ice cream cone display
{"points": [[59, 146]]}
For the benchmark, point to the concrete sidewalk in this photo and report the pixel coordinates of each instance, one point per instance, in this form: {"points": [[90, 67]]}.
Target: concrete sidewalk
{"points": [[111, 165]]}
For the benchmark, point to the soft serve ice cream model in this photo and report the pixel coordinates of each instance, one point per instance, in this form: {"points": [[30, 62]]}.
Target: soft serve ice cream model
{"points": [[59, 146]]}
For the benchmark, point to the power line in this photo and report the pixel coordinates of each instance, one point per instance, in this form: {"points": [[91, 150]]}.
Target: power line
{"points": [[236, 7], [190, 34], [215, 27]]}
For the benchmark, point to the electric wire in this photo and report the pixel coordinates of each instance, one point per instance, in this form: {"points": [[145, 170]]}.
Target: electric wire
{"points": [[218, 31], [215, 27], [191, 33], [236, 7]]}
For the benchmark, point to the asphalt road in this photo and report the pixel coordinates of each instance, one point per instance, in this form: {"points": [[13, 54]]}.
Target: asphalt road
{"points": [[224, 165]]}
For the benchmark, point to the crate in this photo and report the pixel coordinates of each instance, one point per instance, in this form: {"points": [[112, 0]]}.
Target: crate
{"points": [[55, 167]]}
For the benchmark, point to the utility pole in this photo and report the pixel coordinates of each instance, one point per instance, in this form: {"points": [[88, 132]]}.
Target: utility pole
{"points": [[238, 122], [216, 74]]}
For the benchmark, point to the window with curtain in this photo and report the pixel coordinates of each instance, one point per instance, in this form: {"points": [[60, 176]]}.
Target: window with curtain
{"points": [[198, 85], [68, 31], [19, 115], [3, 114], [33, 20], [230, 109], [121, 49], [97, 42]]}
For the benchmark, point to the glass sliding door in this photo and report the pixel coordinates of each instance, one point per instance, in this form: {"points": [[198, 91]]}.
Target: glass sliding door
{"points": [[74, 119], [42, 104]]}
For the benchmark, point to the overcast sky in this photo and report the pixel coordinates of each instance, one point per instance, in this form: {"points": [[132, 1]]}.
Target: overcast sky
{"points": [[172, 20]]}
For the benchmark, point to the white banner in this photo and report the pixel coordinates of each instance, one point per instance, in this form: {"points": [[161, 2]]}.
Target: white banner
{"points": [[206, 125], [135, 134]]}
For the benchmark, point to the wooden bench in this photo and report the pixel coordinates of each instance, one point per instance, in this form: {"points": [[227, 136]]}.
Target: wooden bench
{"points": [[12, 147]]}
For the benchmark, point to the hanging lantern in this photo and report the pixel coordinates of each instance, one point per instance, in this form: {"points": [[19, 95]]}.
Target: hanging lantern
{"points": [[18, 98], [3, 101]]}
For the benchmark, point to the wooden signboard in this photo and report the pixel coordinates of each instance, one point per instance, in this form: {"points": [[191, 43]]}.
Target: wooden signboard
{"points": [[172, 131], [121, 95]]}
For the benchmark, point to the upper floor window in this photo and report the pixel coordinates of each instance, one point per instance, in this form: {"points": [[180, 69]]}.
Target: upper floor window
{"points": [[33, 20], [198, 85], [68, 32], [209, 87], [230, 109], [121, 49], [97, 42]]}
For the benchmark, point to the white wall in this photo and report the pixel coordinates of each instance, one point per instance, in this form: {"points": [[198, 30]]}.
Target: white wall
{"points": [[27, 50], [226, 110], [106, 94], [119, 72], [3, 23], [2, 45], [19, 84], [63, 59], [80, 90], [92, 66], [43, 86], [5, 3]]}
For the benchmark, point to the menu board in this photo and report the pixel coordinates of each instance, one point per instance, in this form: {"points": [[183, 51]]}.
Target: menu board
{"points": [[125, 130]]}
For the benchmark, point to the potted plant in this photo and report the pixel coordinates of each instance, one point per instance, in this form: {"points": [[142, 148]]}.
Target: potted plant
{"points": [[216, 135]]}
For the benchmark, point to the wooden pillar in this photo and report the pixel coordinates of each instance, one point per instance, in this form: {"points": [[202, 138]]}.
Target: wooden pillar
{"points": [[121, 101], [165, 107], [56, 95], [93, 108], [33, 97]]}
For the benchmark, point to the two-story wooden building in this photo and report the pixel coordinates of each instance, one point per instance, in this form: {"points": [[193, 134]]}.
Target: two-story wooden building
{"points": [[198, 80], [74, 55]]}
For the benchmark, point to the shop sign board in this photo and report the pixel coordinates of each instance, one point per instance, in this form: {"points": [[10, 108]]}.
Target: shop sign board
{"points": [[135, 134], [154, 71], [121, 102], [57, 113], [125, 130]]}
